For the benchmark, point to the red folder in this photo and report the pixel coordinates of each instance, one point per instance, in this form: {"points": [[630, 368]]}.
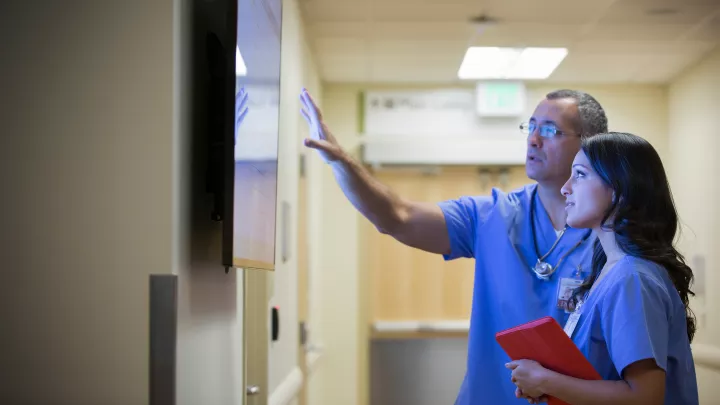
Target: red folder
{"points": [[544, 341]]}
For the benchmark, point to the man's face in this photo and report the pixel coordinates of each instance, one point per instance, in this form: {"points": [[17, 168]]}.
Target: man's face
{"points": [[549, 156]]}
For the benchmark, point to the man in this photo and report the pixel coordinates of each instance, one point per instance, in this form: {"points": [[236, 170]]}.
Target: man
{"points": [[527, 260]]}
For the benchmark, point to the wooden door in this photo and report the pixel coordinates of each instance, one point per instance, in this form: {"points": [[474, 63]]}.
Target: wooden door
{"points": [[255, 331], [407, 284]]}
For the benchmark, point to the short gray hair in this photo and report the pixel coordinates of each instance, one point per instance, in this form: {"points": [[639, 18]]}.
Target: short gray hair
{"points": [[592, 116]]}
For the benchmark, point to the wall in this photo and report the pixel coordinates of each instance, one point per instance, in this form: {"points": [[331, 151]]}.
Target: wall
{"points": [[635, 108], [316, 250], [694, 100], [297, 71], [210, 343], [99, 193], [210, 340], [86, 164], [333, 251], [210, 366], [310, 80]]}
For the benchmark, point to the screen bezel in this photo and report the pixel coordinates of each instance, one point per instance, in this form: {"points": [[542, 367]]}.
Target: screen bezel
{"points": [[228, 220]]}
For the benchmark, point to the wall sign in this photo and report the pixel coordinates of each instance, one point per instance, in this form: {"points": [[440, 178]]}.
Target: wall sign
{"points": [[443, 113], [500, 99]]}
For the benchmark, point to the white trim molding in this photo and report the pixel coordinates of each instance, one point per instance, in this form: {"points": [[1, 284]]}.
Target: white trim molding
{"points": [[288, 389], [422, 326]]}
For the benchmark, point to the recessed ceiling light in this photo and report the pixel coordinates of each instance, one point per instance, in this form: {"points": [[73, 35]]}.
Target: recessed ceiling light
{"points": [[240, 68], [510, 63]]}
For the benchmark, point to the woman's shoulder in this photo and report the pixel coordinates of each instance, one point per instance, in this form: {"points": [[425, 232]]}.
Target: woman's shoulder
{"points": [[634, 275], [642, 270]]}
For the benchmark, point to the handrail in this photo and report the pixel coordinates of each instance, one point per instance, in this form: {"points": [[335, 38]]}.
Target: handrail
{"points": [[288, 388], [706, 355], [313, 355], [422, 326]]}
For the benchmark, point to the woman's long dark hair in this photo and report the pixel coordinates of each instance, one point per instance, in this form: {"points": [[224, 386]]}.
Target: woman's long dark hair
{"points": [[644, 218]]}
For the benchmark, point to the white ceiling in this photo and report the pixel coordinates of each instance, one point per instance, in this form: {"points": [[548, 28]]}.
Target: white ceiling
{"points": [[424, 41]]}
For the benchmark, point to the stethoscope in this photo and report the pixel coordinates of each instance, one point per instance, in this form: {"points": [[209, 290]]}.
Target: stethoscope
{"points": [[542, 269]]}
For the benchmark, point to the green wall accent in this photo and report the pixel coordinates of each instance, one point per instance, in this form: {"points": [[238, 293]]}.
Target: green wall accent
{"points": [[361, 113]]}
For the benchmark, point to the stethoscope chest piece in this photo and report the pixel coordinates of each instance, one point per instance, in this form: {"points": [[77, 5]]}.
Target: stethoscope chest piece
{"points": [[543, 270]]}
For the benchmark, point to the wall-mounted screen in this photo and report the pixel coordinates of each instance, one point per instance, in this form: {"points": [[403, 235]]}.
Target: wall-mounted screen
{"points": [[257, 101]]}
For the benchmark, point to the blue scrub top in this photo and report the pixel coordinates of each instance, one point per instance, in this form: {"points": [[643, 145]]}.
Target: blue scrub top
{"points": [[496, 231], [635, 313]]}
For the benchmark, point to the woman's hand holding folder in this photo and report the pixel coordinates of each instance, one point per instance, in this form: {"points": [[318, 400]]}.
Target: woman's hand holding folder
{"points": [[528, 376]]}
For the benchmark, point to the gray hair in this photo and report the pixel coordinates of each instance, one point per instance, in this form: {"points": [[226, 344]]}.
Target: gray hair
{"points": [[592, 116]]}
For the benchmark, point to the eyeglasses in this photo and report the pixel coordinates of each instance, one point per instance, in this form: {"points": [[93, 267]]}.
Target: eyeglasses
{"points": [[546, 130]]}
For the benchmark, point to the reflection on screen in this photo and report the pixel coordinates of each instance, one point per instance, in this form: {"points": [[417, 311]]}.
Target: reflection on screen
{"points": [[256, 132]]}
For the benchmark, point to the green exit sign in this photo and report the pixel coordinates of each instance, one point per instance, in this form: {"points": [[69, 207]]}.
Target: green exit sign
{"points": [[500, 99]]}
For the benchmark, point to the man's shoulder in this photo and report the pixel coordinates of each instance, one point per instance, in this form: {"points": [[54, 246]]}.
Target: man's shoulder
{"points": [[520, 194], [515, 198], [483, 205], [517, 195]]}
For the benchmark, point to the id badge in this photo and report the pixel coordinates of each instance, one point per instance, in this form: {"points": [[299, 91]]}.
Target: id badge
{"points": [[565, 291], [572, 323]]}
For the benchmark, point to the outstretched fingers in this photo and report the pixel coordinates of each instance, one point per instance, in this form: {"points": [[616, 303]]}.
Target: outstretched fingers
{"points": [[304, 101], [306, 116], [310, 104]]}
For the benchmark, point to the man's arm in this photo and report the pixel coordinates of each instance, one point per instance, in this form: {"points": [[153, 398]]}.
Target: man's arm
{"points": [[419, 225]]}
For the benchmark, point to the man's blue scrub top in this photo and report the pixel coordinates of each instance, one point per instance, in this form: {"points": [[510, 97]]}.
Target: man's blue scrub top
{"points": [[496, 231]]}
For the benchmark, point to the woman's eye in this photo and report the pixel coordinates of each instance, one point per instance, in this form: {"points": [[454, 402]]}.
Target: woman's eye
{"points": [[579, 174]]}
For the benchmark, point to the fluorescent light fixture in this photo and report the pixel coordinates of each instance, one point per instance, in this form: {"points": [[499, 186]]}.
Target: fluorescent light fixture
{"points": [[240, 68], [510, 63]]}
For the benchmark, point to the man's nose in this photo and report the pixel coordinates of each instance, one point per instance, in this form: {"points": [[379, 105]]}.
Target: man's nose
{"points": [[534, 138]]}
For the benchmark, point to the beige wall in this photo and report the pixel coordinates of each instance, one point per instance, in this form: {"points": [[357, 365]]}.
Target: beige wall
{"points": [[210, 343], [98, 184], [316, 241], [694, 100], [297, 71], [333, 252], [86, 151], [314, 213], [210, 361]]}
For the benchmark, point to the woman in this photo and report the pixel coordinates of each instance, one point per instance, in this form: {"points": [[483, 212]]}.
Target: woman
{"points": [[631, 316]]}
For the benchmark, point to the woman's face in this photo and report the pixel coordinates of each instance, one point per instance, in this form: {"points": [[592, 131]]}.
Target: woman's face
{"points": [[587, 196]]}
